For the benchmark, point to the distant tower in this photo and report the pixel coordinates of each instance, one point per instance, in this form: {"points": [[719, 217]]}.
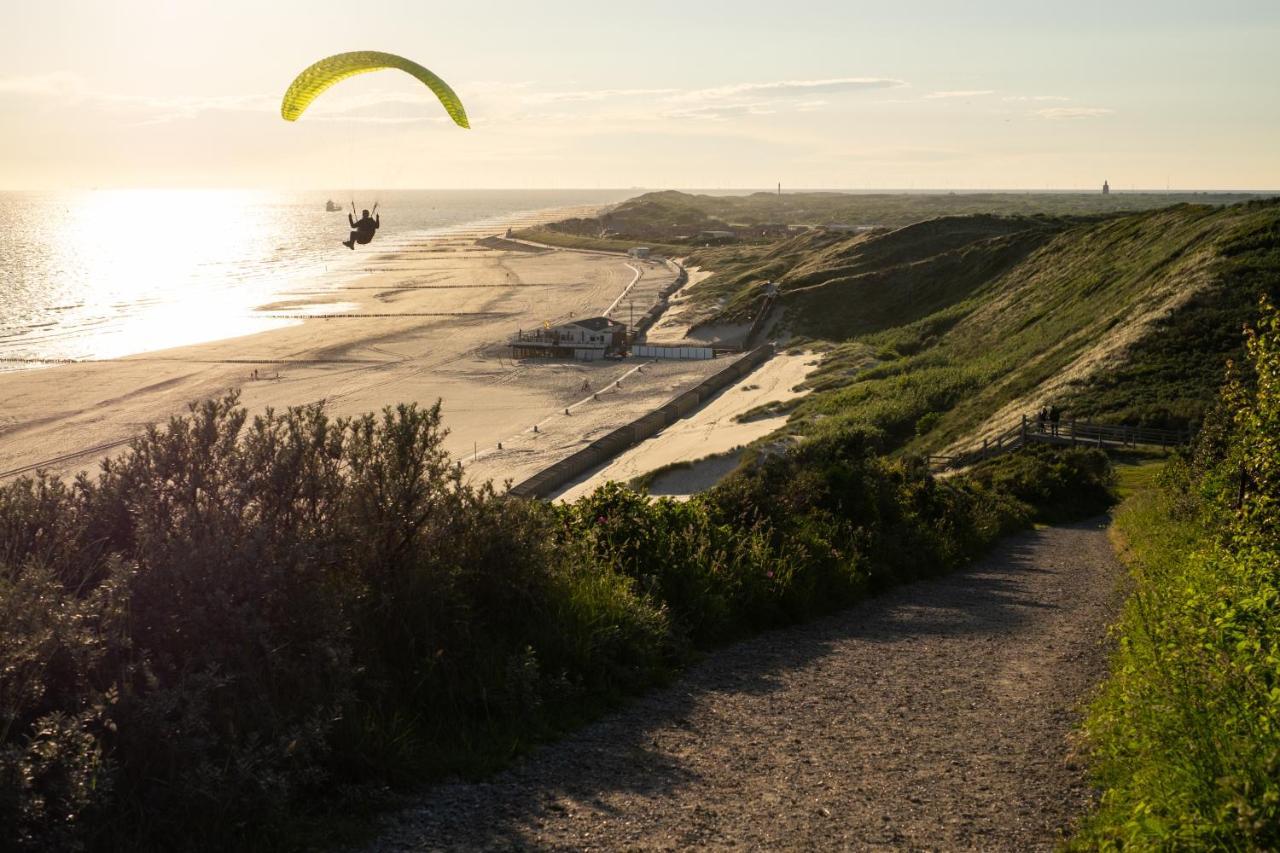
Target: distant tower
{"points": [[779, 189], [1106, 188]]}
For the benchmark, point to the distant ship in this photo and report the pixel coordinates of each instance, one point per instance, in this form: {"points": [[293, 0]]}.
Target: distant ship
{"points": [[332, 206]]}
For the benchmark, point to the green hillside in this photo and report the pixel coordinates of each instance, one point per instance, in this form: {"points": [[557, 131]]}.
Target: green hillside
{"points": [[935, 328], [676, 219]]}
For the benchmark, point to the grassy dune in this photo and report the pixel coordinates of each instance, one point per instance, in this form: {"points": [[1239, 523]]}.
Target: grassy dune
{"points": [[937, 330], [934, 329], [661, 216]]}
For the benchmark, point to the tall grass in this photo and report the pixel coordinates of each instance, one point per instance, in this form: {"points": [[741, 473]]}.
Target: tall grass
{"points": [[1185, 737]]}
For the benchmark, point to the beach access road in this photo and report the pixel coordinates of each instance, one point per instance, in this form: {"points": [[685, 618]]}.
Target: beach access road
{"points": [[938, 716], [428, 320]]}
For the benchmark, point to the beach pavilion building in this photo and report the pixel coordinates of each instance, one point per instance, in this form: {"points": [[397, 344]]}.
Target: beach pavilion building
{"points": [[588, 339]]}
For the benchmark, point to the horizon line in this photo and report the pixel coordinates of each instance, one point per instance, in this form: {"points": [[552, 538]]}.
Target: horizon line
{"points": [[771, 190]]}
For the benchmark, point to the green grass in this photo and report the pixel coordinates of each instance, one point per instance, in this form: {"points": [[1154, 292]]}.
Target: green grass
{"points": [[1184, 737], [1137, 477], [930, 328]]}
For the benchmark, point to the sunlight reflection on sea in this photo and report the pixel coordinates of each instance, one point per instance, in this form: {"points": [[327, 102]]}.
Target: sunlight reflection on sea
{"points": [[102, 274]]}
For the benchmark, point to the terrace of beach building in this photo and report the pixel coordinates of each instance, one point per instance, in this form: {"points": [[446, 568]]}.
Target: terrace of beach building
{"points": [[588, 339]]}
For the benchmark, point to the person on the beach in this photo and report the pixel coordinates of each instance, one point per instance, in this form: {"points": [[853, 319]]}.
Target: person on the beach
{"points": [[362, 230]]}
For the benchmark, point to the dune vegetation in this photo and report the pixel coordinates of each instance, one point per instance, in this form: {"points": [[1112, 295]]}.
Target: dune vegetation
{"points": [[241, 619], [934, 330], [675, 219], [1185, 735]]}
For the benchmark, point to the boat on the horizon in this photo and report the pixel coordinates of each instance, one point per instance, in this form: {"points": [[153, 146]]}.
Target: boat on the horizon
{"points": [[332, 206]]}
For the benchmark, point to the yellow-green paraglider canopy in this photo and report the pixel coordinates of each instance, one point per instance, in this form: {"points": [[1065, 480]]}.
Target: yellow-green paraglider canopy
{"points": [[312, 82]]}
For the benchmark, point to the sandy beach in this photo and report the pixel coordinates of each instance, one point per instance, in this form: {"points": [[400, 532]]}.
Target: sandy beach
{"points": [[428, 320]]}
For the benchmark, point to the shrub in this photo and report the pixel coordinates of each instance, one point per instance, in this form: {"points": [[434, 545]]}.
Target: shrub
{"points": [[1059, 484], [241, 616], [1185, 736]]}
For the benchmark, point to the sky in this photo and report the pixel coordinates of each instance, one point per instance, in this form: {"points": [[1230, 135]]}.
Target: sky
{"points": [[561, 93]]}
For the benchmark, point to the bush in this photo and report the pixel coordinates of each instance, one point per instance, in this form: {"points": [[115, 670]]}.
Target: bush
{"points": [[1059, 484], [1185, 736], [241, 616]]}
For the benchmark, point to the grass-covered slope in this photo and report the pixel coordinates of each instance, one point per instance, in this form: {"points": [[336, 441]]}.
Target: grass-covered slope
{"points": [[675, 217], [1184, 739], [942, 328]]}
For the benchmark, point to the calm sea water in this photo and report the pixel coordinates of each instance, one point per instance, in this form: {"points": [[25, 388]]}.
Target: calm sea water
{"points": [[101, 274]]}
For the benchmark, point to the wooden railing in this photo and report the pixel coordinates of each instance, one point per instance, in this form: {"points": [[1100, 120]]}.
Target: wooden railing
{"points": [[1067, 433]]}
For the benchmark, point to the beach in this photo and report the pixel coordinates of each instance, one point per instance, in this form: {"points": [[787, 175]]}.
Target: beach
{"points": [[429, 320]]}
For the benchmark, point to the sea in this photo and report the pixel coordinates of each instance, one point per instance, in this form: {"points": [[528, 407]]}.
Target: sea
{"points": [[100, 274]]}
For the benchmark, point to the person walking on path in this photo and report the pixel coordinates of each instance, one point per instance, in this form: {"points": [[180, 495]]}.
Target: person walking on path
{"points": [[1055, 415]]}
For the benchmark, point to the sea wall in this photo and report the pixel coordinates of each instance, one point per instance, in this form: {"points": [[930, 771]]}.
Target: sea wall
{"points": [[600, 451]]}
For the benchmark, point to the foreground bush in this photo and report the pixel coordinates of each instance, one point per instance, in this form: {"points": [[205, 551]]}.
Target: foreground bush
{"points": [[1060, 483], [1185, 737], [238, 617]]}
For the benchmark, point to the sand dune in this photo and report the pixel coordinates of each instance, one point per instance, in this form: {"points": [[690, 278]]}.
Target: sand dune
{"points": [[710, 431]]}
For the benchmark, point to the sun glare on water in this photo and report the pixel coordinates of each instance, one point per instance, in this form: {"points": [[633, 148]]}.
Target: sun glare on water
{"points": [[131, 271], [159, 252]]}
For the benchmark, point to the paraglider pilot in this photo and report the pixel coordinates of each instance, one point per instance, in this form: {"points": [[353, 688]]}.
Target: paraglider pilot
{"points": [[363, 229]]}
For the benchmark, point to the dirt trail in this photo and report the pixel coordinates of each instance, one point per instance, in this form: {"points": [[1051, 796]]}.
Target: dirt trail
{"points": [[937, 716]]}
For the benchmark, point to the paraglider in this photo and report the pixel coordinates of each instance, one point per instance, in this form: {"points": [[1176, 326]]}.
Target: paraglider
{"points": [[320, 76], [362, 229]]}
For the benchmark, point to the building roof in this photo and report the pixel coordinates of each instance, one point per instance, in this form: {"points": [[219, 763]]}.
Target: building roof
{"points": [[595, 324]]}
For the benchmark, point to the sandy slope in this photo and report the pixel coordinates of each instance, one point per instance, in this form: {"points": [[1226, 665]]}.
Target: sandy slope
{"points": [[429, 321], [710, 430]]}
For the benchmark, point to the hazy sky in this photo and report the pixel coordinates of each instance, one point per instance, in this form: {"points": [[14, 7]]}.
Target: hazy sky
{"points": [[562, 93]]}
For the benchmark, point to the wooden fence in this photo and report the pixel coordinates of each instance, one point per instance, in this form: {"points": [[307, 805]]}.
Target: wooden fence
{"points": [[1069, 433]]}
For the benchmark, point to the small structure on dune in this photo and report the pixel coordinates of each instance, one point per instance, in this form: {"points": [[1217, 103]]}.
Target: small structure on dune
{"points": [[639, 252], [588, 339]]}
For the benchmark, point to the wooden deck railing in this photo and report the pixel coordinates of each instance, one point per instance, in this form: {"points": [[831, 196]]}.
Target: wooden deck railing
{"points": [[1067, 433]]}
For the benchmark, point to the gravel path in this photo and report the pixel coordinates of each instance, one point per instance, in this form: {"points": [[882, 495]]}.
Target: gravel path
{"points": [[937, 716]]}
